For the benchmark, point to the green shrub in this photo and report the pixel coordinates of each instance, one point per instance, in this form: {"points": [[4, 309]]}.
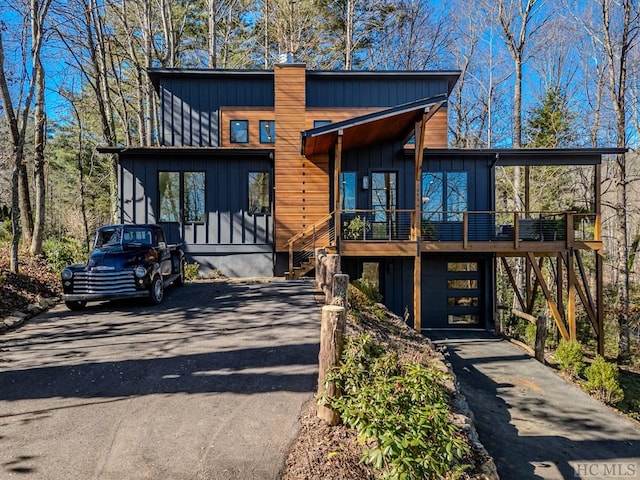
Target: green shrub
{"points": [[191, 271], [603, 382], [60, 253], [355, 228], [400, 411], [6, 230], [369, 289], [530, 334], [569, 356]]}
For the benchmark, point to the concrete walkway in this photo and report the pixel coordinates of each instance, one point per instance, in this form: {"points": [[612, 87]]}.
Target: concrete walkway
{"points": [[535, 424], [207, 385]]}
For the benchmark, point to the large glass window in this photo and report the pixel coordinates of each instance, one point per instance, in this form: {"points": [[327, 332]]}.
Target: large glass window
{"points": [[239, 131], [267, 131], [444, 196], [432, 196], [384, 194], [169, 187], [347, 191], [456, 195], [190, 196], [259, 199], [194, 197]]}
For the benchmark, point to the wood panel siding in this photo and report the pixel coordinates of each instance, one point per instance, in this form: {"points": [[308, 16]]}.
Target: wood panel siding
{"points": [[335, 114], [292, 214], [436, 131], [253, 116]]}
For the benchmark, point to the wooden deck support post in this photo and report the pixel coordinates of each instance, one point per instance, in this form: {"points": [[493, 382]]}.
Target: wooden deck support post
{"points": [[597, 232], [571, 298], [331, 343], [337, 169], [416, 234]]}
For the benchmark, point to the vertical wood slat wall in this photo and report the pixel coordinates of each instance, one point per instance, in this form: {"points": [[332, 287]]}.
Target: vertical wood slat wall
{"points": [[294, 209]]}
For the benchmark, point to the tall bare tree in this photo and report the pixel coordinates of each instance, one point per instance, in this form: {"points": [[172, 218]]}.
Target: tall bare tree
{"points": [[17, 109], [39, 11], [620, 27]]}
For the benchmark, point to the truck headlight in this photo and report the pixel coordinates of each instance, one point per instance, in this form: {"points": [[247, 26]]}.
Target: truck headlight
{"points": [[140, 272], [66, 274]]}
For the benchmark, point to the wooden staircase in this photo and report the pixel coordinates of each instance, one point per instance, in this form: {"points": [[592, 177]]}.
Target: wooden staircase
{"points": [[302, 247]]}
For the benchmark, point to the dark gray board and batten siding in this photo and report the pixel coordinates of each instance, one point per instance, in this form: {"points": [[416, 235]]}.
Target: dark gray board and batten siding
{"points": [[230, 239], [191, 99], [354, 89], [190, 107]]}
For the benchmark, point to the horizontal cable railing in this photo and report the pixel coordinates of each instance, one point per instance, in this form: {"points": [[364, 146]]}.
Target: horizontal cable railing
{"points": [[302, 246], [489, 226], [376, 225]]}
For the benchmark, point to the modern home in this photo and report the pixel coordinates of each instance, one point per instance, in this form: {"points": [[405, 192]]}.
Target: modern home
{"points": [[257, 169]]}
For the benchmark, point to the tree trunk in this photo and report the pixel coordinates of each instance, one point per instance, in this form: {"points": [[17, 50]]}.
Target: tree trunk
{"points": [[24, 198], [39, 118]]}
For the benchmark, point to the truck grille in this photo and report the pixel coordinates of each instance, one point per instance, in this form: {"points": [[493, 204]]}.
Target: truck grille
{"points": [[104, 283]]}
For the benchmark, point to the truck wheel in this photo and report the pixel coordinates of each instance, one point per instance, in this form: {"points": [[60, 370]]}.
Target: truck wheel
{"points": [[156, 290], [75, 305], [180, 280]]}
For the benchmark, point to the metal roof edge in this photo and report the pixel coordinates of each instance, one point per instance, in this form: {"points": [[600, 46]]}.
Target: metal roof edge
{"points": [[186, 150]]}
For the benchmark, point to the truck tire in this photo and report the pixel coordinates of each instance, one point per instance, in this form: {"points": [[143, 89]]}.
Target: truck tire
{"points": [[156, 290], [180, 280], [75, 305]]}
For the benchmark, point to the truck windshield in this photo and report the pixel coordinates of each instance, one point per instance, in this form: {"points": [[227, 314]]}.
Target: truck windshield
{"points": [[123, 236], [108, 237]]}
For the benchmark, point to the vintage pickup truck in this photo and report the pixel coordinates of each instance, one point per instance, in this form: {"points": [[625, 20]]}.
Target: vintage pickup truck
{"points": [[127, 261]]}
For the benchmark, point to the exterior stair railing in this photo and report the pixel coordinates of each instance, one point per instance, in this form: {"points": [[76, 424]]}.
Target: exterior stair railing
{"points": [[303, 245]]}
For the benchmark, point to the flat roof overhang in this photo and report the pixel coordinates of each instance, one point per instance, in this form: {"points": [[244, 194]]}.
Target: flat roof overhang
{"points": [[156, 74], [388, 124], [199, 151], [509, 157]]}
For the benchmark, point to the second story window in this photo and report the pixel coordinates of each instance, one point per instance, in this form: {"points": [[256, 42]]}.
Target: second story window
{"points": [[239, 131], [444, 196], [321, 123], [267, 131]]}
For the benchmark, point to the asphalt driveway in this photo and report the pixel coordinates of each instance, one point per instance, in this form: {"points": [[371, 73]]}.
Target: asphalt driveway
{"points": [[207, 385], [535, 424]]}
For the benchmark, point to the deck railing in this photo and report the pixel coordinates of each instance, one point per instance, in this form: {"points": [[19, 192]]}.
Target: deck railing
{"points": [[488, 226], [376, 225]]}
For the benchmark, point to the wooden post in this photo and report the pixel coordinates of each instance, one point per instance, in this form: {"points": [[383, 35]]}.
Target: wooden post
{"points": [[340, 290], [332, 268], [597, 233], [416, 234], [336, 187], [541, 334], [331, 343], [320, 253], [571, 298]]}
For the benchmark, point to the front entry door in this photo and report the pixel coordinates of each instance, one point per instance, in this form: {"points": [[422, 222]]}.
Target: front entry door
{"points": [[452, 293]]}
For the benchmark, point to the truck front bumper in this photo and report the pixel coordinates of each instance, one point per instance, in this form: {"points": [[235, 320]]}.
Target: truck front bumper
{"points": [[97, 297]]}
